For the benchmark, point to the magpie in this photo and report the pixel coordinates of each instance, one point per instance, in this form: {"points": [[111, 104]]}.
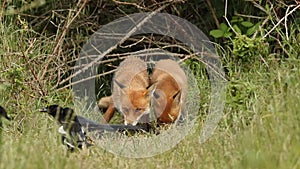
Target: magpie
{"points": [[4, 114], [73, 133], [74, 127]]}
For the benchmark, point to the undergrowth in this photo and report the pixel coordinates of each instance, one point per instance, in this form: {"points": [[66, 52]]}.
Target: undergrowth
{"points": [[260, 123]]}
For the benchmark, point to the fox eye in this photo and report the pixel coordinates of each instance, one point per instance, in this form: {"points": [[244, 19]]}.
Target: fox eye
{"points": [[125, 110], [138, 109]]}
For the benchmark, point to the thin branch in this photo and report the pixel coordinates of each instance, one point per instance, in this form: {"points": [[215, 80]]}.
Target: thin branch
{"points": [[259, 7], [133, 44], [213, 13], [250, 16], [282, 19], [86, 79], [154, 5], [130, 3], [207, 64], [225, 16], [24, 55], [265, 62], [114, 46], [67, 26], [280, 44], [261, 27], [185, 57], [285, 23], [63, 34]]}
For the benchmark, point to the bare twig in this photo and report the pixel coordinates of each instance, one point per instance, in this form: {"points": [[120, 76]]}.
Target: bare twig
{"points": [[130, 3], [159, 3], [24, 55], [213, 13], [285, 23], [86, 79], [265, 62], [250, 16], [133, 44], [63, 34], [207, 64], [282, 19], [259, 7], [134, 29], [67, 26], [261, 26], [225, 16], [280, 44], [183, 56]]}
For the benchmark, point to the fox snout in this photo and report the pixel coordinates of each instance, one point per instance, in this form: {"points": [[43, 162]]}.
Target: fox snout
{"points": [[136, 115], [130, 120], [131, 91]]}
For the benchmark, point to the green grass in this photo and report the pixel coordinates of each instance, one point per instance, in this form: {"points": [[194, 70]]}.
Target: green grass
{"points": [[260, 127], [270, 140]]}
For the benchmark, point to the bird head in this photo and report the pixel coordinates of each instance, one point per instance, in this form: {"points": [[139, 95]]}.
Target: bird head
{"points": [[63, 115]]}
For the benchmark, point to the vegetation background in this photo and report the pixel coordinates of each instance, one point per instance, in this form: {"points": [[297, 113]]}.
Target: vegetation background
{"points": [[258, 43]]}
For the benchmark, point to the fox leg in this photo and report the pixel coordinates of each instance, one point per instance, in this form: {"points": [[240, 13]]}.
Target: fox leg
{"points": [[109, 113]]}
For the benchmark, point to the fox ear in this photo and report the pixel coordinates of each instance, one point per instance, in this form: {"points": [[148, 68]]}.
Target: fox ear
{"points": [[120, 85], [177, 97]]}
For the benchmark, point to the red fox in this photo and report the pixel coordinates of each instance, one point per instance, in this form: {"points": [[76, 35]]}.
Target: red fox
{"points": [[131, 92], [168, 100]]}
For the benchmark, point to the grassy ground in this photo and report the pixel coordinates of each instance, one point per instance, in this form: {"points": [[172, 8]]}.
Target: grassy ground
{"points": [[260, 127]]}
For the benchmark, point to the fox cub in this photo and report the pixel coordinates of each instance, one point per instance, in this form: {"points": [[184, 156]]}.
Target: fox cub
{"points": [[134, 91], [131, 92], [168, 100]]}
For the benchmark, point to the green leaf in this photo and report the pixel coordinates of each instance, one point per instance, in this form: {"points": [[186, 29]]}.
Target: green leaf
{"points": [[237, 29], [251, 30], [236, 19], [223, 27], [247, 24], [216, 33], [227, 34]]}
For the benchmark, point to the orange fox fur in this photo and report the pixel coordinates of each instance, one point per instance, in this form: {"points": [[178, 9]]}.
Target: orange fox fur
{"points": [[168, 100], [131, 92]]}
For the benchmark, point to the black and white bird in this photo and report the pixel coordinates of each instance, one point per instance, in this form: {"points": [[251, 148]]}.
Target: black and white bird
{"points": [[73, 133], [74, 127], [4, 114]]}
